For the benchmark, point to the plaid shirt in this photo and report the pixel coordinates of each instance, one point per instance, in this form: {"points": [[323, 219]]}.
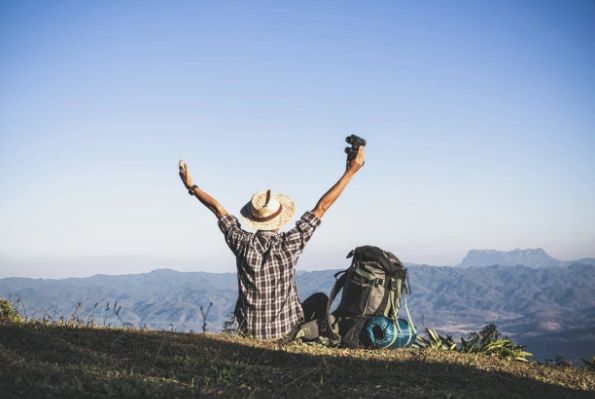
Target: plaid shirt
{"points": [[268, 305]]}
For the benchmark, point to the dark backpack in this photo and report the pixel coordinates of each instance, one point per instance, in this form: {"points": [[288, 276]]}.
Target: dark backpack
{"points": [[367, 315]]}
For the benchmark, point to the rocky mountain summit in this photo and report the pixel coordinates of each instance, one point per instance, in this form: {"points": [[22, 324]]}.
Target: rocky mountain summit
{"points": [[526, 257]]}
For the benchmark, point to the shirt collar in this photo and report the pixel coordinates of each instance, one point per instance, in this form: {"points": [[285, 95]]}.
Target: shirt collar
{"points": [[267, 233]]}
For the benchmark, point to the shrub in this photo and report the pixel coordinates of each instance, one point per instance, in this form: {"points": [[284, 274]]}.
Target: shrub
{"points": [[487, 342], [589, 363], [7, 313], [558, 361]]}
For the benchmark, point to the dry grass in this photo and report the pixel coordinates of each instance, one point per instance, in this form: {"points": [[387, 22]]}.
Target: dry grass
{"points": [[40, 360]]}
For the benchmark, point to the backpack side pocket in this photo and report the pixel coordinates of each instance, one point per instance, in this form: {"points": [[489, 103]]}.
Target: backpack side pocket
{"points": [[364, 290]]}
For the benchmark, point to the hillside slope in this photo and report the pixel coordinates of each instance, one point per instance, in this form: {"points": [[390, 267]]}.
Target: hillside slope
{"points": [[46, 361]]}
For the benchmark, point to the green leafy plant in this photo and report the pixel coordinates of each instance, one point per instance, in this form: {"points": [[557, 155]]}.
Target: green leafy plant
{"points": [[505, 349], [492, 343], [558, 361], [589, 363], [486, 342], [229, 326], [436, 341], [7, 313]]}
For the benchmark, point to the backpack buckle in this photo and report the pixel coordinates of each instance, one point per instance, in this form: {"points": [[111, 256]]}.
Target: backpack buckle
{"points": [[393, 284], [323, 326]]}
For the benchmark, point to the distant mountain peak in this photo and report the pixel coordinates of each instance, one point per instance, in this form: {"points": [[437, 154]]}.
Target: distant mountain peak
{"points": [[164, 271], [527, 257]]}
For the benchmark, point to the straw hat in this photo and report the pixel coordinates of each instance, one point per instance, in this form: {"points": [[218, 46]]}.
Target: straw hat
{"points": [[267, 210]]}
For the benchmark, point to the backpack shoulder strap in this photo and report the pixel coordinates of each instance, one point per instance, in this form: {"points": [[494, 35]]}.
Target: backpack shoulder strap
{"points": [[322, 327], [337, 286]]}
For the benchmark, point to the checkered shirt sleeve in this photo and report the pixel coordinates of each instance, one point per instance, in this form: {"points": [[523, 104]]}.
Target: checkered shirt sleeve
{"points": [[268, 304]]}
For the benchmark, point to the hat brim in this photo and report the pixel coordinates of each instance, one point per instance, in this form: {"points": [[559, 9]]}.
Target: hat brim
{"points": [[285, 216]]}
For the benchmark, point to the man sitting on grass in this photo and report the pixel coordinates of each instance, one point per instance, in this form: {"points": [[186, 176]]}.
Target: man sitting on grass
{"points": [[268, 305]]}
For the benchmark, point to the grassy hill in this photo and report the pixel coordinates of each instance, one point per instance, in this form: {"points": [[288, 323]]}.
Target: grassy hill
{"points": [[64, 361]]}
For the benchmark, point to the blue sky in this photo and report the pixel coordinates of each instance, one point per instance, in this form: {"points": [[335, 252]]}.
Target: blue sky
{"points": [[479, 118]]}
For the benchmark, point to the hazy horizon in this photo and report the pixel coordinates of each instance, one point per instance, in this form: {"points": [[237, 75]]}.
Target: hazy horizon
{"points": [[478, 117], [53, 269]]}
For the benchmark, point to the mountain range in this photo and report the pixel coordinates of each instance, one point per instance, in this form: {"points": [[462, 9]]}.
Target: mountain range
{"points": [[526, 257], [549, 308]]}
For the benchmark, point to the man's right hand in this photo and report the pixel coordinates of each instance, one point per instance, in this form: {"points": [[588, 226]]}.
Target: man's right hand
{"points": [[358, 161]]}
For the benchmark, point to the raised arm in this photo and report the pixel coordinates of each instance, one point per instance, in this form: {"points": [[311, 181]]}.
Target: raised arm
{"points": [[331, 195], [203, 197]]}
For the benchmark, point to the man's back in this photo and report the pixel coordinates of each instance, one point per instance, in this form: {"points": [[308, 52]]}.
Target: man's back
{"points": [[268, 304]]}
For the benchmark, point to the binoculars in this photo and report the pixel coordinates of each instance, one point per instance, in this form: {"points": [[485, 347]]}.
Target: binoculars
{"points": [[355, 142]]}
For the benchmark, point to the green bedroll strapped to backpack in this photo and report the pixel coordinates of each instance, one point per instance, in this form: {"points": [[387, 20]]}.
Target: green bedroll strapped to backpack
{"points": [[368, 313]]}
